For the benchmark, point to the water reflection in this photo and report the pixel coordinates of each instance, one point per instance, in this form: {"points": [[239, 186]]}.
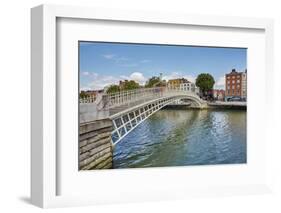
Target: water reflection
{"points": [[185, 137]]}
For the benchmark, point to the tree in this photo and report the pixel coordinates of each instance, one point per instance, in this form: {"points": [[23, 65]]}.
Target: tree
{"points": [[112, 89], [205, 82], [129, 85], [83, 95], [153, 82]]}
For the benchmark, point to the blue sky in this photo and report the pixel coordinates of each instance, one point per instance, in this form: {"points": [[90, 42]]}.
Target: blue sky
{"points": [[102, 64]]}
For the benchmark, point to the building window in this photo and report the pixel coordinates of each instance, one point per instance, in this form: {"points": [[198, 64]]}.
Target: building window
{"points": [[233, 82], [232, 86], [238, 81], [233, 76]]}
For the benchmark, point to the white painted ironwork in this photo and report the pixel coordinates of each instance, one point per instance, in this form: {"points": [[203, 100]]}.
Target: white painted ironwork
{"points": [[112, 100], [131, 96], [125, 121]]}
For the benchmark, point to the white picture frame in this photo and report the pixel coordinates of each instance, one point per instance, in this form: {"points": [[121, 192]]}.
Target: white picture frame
{"points": [[45, 171]]}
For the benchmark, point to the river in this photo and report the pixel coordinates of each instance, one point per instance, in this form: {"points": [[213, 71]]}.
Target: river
{"points": [[185, 137]]}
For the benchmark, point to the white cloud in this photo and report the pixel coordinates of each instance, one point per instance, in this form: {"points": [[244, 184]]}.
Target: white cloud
{"points": [[171, 76], [100, 81], [120, 59], [85, 88], [138, 77], [144, 61], [108, 56], [220, 83], [85, 73], [190, 78], [116, 58], [135, 76], [129, 65], [88, 74], [123, 61]]}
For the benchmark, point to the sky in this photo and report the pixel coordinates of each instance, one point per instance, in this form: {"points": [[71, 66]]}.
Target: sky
{"points": [[102, 64]]}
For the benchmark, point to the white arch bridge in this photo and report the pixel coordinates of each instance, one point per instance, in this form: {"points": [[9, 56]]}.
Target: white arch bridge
{"points": [[128, 109]]}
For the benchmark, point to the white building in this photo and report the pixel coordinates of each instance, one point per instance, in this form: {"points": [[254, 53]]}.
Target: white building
{"points": [[189, 87]]}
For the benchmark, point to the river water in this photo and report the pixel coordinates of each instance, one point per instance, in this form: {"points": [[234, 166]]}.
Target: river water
{"points": [[185, 137]]}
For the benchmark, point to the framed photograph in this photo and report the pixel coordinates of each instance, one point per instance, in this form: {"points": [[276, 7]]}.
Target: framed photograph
{"points": [[130, 106]]}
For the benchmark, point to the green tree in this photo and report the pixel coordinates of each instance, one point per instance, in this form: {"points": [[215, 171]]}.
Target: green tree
{"points": [[129, 85], [112, 89], [153, 82], [83, 94], [205, 82]]}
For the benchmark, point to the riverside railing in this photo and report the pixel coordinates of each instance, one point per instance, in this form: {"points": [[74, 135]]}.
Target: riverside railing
{"points": [[88, 99]]}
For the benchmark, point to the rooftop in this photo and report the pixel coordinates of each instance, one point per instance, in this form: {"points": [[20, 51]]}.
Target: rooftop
{"points": [[234, 72]]}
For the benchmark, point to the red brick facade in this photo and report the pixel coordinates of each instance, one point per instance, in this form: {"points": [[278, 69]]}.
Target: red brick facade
{"points": [[233, 84], [219, 94]]}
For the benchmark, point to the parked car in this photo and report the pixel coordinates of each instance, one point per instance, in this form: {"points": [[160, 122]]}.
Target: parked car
{"points": [[235, 99]]}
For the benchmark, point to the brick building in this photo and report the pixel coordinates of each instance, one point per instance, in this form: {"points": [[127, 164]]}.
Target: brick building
{"points": [[219, 94], [236, 84]]}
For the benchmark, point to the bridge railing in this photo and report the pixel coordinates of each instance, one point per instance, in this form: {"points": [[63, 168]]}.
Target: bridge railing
{"points": [[131, 96], [127, 97]]}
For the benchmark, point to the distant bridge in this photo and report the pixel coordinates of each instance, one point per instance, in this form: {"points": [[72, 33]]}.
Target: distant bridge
{"points": [[128, 109]]}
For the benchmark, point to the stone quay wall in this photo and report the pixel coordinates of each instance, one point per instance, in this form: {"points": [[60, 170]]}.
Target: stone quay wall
{"points": [[95, 147]]}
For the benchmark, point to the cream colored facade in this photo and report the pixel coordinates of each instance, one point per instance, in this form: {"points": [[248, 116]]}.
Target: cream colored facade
{"points": [[175, 83], [244, 85]]}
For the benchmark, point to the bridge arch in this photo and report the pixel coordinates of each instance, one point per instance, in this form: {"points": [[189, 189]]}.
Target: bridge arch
{"points": [[127, 120], [195, 100]]}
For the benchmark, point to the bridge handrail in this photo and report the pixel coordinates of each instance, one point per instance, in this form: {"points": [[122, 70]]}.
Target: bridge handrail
{"points": [[116, 95], [129, 96]]}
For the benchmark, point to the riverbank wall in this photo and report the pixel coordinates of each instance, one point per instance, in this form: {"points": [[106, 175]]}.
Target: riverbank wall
{"points": [[227, 105], [95, 147], [213, 105]]}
